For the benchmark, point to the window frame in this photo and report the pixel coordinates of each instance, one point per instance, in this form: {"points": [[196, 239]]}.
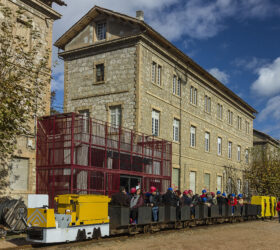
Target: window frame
{"points": [[192, 136], [104, 31], [176, 126], [219, 149], [155, 120], [102, 65], [207, 142], [238, 153], [230, 150], [118, 116]]}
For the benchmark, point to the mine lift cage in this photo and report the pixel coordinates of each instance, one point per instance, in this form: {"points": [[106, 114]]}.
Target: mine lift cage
{"points": [[81, 155]]}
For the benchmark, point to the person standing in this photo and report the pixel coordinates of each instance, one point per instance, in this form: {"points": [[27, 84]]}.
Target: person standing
{"points": [[278, 209], [154, 202]]}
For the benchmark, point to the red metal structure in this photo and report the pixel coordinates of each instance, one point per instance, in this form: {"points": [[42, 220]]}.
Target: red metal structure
{"points": [[76, 154]]}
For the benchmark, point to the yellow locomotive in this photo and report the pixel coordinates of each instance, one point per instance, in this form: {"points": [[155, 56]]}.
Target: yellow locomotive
{"points": [[268, 205], [78, 217]]}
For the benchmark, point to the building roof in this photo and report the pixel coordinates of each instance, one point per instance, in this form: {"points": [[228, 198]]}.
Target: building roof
{"points": [[267, 137], [96, 10]]}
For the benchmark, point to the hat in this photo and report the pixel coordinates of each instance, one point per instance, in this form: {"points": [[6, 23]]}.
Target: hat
{"points": [[233, 195], [218, 192], [133, 190], [240, 195], [153, 189], [190, 191], [204, 191], [186, 192], [213, 194], [170, 189], [224, 194], [138, 187], [204, 199]]}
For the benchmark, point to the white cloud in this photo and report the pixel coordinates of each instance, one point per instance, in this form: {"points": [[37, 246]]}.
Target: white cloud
{"points": [[268, 82], [271, 110], [173, 18], [57, 82], [251, 64], [220, 75]]}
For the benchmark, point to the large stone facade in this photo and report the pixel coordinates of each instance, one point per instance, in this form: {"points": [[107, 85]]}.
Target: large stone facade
{"points": [[23, 175], [134, 59]]}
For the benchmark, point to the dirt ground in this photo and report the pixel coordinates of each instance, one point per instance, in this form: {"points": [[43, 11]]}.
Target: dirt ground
{"points": [[247, 235]]}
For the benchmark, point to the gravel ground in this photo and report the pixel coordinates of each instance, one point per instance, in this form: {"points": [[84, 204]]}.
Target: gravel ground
{"points": [[247, 235]]}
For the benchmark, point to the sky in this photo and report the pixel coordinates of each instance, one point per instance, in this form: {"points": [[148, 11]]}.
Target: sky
{"points": [[237, 41]]}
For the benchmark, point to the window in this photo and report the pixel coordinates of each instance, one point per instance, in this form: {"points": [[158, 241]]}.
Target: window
{"points": [[247, 156], [193, 181], [159, 75], [19, 174], [219, 146], [230, 117], [238, 153], [207, 104], [85, 119], [220, 111], [100, 72], [229, 149], [239, 123], [238, 186], [116, 115], [155, 123], [176, 177], [247, 127], [176, 127], [179, 87], [193, 136], [174, 84], [219, 183], [101, 31], [193, 95], [154, 66], [207, 181], [207, 142]]}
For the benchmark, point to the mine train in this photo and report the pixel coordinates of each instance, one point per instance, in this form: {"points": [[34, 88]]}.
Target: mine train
{"points": [[83, 217]]}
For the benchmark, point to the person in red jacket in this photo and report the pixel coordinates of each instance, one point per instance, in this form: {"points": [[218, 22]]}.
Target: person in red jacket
{"points": [[278, 209], [232, 202]]}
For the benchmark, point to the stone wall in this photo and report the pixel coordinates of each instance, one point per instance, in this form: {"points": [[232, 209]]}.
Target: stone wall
{"points": [[170, 106], [82, 92], [23, 183]]}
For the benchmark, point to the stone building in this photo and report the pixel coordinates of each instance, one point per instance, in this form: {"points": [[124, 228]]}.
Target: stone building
{"points": [[118, 69], [22, 177], [264, 144]]}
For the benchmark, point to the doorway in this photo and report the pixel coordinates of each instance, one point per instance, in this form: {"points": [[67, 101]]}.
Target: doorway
{"points": [[129, 182]]}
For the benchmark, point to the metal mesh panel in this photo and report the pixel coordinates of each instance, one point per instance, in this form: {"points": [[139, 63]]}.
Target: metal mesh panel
{"points": [[76, 154]]}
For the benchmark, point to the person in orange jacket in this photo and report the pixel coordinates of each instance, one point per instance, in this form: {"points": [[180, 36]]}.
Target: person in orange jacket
{"points": [[278, 209], [232, 202]]}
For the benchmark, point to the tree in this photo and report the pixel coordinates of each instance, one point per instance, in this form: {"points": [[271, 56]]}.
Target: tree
{"points": [[53, 107], [24, 71], [263, 172]]}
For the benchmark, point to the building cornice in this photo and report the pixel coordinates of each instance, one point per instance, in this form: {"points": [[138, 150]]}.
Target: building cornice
{"points": [[41, 7]]}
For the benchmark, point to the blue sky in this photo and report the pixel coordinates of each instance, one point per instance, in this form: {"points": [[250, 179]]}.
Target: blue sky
{"points": [[238, 41]]}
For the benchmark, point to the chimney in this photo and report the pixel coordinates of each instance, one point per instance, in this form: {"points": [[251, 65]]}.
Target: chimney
{"points": [[140, 15]]}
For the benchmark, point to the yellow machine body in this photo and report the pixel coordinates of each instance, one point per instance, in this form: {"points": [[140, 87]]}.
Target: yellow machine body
{"points": [[85, 209], [78, 217], [268, 204], [41, 217]]}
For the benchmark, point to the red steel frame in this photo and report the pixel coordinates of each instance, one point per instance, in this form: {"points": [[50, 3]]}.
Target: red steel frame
{"points": [[76, 154]]}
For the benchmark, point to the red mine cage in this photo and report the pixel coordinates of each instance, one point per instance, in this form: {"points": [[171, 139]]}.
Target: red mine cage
{"points": [[76, 154]]}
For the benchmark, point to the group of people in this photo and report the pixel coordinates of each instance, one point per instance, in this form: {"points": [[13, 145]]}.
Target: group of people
{"points": [[154, 199]]}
